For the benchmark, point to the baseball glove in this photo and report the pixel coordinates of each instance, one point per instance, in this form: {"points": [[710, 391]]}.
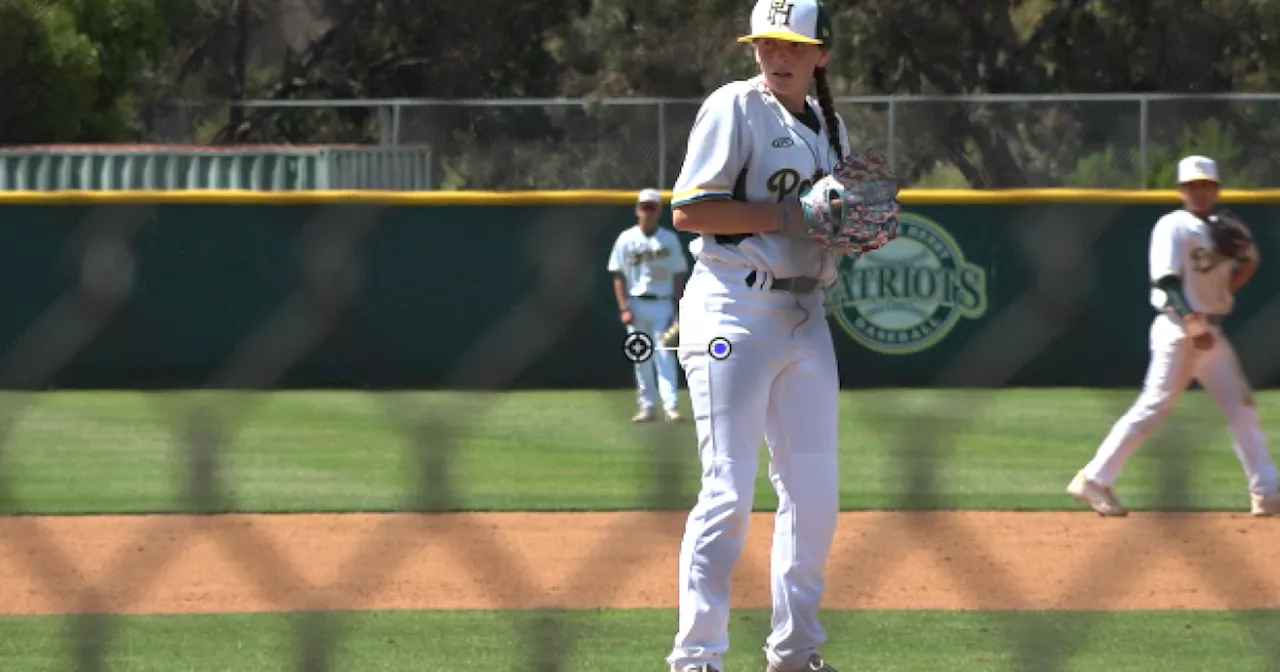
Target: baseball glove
{"points": [[1231, 239], [855, 209], [671, 337]]}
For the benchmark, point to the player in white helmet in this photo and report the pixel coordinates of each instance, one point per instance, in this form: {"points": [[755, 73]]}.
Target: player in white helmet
{"points": [[649, 272], [756, 347], [1193, 288]]}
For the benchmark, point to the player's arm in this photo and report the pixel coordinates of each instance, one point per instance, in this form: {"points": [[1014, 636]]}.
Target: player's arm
{"points": [[1244, 272], [1165, 263], [1176, 300], [619, 281], [719, 146], [1192, 323], [620, 295], [728, 217]]}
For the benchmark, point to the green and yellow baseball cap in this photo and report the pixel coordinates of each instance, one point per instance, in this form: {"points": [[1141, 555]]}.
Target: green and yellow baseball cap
{"points": [[804, 21]]}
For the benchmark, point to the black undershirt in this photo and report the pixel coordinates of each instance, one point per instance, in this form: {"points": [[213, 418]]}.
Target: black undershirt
{"points": [[809, 117]]}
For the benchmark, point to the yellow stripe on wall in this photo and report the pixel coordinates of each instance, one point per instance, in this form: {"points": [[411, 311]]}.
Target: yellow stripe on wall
{"points": [[590, 197]]}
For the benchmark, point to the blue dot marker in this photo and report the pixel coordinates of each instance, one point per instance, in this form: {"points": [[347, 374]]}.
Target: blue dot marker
{"points": [[719, 348]]}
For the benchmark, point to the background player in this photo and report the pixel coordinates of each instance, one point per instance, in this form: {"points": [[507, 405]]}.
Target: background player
{"points": [[755, 148], [1194, 284], [649, 271]]}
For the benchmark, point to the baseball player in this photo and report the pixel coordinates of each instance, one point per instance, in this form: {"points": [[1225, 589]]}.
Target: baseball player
{"points": [[649, 271], [755, 344], [1198, 260]]}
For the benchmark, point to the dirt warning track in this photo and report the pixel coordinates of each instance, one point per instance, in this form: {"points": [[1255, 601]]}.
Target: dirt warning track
{"points": [[881, 560]]}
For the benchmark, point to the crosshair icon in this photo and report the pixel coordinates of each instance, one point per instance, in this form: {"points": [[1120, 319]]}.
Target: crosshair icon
{"points": [[719, 348], [637, 347]]}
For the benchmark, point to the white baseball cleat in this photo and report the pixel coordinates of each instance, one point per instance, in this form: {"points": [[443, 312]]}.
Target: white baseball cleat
{"points": [[1264, 505], [643, 416], [1097, 496], [672, 415]]}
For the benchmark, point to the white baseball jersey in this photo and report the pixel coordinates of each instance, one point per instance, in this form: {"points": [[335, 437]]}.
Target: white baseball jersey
{"points": [[1181, 245], [747, 146], [649, 263]]}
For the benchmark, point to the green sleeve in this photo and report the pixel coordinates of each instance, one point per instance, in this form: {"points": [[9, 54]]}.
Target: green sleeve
{"points": [[1172, 286]]}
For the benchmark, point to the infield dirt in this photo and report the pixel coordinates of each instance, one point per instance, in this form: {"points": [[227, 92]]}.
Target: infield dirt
{"points": [[881, 560]]}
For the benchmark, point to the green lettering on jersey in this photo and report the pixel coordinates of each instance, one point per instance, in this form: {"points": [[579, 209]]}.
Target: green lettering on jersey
{"points": [[1204, 261]]}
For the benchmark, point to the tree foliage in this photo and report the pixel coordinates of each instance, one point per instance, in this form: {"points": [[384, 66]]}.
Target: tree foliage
{"points": [[81, 65], [67, 67]]}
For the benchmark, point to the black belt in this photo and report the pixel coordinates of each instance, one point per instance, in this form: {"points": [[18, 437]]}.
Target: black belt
{"points": [[651, 297], [798, 285], [732, 239]]}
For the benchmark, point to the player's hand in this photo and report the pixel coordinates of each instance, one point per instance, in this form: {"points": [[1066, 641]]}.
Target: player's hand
{"points": [[1200, 333], [854, 208], [626, 316]]}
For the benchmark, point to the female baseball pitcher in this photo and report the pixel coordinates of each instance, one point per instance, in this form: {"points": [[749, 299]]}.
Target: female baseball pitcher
{"points": [[767, 184]]}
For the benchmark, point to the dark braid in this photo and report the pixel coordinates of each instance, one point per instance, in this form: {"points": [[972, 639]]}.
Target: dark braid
{"points": [[828, 111]]}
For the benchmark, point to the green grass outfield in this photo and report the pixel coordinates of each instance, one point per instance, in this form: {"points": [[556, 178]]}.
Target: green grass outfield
{"points": [[636, 641], [119, 452]]}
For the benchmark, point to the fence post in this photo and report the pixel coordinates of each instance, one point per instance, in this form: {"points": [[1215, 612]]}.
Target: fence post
{"points": [[1142, 138], [893, 134], [395, 124], [662, 144]]}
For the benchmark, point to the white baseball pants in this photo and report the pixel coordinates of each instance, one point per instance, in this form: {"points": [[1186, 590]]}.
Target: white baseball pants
{"points": [[779, 383], [656, 377], [1174, 364]]}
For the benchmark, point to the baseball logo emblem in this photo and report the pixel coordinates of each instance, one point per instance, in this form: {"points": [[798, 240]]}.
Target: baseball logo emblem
{"points": [[906, 296]]}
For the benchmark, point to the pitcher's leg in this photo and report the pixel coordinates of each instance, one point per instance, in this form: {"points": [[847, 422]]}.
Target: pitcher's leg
{"points": [[803, 434], [1222, 377], [729, 398], [1168, 374]]}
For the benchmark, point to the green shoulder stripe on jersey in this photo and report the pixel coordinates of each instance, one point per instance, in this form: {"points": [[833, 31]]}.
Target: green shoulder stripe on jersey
{"points": [[700, 197]]}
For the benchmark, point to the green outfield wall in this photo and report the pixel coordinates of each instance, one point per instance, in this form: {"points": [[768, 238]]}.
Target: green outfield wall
{"points": [[219, 286]]}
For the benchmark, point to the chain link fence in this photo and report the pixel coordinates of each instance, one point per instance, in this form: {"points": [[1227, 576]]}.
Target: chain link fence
{"points": [[980, 141], [324, 305]]}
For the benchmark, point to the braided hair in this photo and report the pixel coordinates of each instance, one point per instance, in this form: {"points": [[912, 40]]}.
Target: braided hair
{"points": [[828, 111]]}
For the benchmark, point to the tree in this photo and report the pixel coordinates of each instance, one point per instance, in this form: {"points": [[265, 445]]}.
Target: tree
{"points": [[67, 68], [1011, 46]]}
